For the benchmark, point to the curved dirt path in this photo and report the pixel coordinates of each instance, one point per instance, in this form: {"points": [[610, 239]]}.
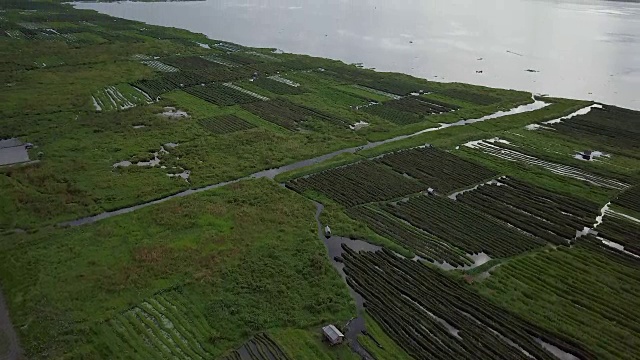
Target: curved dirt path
{"points": [[9, 345]]}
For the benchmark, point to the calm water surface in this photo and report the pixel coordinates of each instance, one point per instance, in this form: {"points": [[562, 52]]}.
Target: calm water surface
{"points": [[581, 49]]}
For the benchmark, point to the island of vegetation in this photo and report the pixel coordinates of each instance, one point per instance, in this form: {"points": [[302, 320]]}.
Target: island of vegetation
{"points": [[164, 195]]}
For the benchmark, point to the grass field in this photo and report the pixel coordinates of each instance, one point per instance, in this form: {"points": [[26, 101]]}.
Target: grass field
{"points": [[244, 258]]}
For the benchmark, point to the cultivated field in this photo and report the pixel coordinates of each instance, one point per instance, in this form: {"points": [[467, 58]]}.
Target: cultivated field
{"points": [[506, 225]]}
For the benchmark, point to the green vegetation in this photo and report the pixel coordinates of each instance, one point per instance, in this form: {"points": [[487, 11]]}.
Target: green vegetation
{"points": [[235, 262], [579, 292], [432, 316], [462, 227], [116, 108], [359, 183], [339, 160], [379, 344]]}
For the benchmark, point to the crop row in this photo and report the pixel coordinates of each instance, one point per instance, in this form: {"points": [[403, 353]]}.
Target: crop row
{"points": [[612, 126], [586, 292], [358, 183], [391, 83], [165, 326], [620, 231], [192, 63], [505, 152], [546, 215], [278, 87], [205, 69], [290, 116], [167, 82], [422, 244], [396, 116], [159, 66], [225, 124], [462, 226], [629, 199], [420, 106], [119, 97], [434, 317], [613, 254], [470, 96], [220, 94], [436, 168], [260, 347]]}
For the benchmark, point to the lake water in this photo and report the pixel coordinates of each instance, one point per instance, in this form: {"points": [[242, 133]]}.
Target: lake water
{"points": [[581, 49]]}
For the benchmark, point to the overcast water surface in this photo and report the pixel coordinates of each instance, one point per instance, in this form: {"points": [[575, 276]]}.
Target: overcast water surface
{"points": [[577, 49]]}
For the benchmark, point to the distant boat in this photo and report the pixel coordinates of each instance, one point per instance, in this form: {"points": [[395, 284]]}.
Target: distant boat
{"points": [[327, 231]]}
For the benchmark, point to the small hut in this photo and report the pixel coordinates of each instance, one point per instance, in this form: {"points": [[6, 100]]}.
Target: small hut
{"points": [[332, 334]]}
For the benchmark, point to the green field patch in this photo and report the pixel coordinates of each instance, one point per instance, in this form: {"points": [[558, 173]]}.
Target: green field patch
{"points": [[463, 227], [220, 94], [289, 115], [119, 279], [583, 292], [119, 97], [437, 169], [358, 183], [430, 315], [225, 124]]}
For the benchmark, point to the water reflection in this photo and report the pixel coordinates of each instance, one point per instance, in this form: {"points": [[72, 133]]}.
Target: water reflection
{"points": [[457, 40]]}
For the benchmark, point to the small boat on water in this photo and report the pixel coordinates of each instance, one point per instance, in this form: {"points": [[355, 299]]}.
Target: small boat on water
{"points": [[327, 231]]}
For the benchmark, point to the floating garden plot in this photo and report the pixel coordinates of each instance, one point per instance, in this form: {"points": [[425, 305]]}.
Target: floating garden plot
{"points": [[283, 80], [463, 226], [31, 25], [629, 199], [155, 87], [611, 126], [408, 110], [220, 94], [587, 293], [278, 87], [218, 60], [622, 232], [497, 149], [394, 84], [165, 326], [228, 47], [432, 316], [378, 92], [421, 243], [470, 96], [225, 124], [359, 183], [420, 106], [241, 58], [245, 91], [117, 37], [437, 169], [289, 115], [393, 115], [159, 66], [541, 213], [119, 97], [260, 347], [192, 63]]}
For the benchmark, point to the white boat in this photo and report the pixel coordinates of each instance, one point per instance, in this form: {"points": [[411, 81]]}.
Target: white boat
{"points": [[327, 231]]}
